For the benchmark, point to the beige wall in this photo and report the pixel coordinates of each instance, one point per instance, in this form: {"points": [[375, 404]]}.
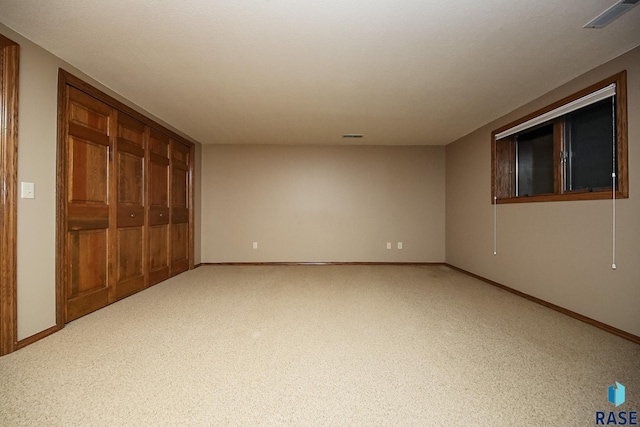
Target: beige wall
{"points": [[560, 252], [37, 126], [322, 204]]}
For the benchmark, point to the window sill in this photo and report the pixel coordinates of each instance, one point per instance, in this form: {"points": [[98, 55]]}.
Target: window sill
{"points": [[593, 195]]}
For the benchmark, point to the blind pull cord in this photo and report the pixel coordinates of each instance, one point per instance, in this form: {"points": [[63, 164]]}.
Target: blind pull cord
{"points": [[495, 197], [495, 226], [614, 180]]}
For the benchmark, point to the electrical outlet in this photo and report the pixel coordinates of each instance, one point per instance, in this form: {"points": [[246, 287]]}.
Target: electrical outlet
{"points": [[255, 245], [399, 245], [388, 245]]}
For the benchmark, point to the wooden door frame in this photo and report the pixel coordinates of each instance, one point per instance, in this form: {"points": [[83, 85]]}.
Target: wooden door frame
{"points": [[8, 198]]}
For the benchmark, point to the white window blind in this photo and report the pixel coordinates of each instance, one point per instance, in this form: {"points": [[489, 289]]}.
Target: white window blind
{"points": [[592, 98]]}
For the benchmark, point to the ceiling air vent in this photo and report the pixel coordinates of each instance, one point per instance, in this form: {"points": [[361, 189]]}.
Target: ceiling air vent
{"points": [[352, 135], [611, 14]]}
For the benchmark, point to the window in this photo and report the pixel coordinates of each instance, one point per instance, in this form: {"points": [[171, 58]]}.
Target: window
{"points": [[574, 149], [534, 161]]}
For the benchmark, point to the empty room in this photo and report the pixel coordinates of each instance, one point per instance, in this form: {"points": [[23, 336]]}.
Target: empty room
{"points": [[331, 213]]}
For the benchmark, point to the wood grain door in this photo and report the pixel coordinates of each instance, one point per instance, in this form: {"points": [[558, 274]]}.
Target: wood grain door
{"points": [[180, 181], [159, 265], [124, 201], [88, 239], [130, 195]]}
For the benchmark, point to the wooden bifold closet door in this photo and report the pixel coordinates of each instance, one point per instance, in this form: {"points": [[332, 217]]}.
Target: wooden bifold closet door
{"points": [[159, 217], [130, 216], [127, 203], [88, 215], [180, 159]]}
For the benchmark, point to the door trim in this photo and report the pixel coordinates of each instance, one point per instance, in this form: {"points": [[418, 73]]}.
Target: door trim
{"points": [[8, 198], [61, 194]]}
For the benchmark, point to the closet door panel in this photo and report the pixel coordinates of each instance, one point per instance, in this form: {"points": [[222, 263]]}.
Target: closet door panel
{"points": [[88, 236], [88, 160], [179, 207], [129, 173], [87, 279], [159, 213], [179, 250], [158, 253], [130, 267]]}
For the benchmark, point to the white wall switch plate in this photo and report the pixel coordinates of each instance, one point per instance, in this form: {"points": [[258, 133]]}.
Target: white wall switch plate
{"points": [[388, 245], [399, 245], [28, 190], [255, 245]]}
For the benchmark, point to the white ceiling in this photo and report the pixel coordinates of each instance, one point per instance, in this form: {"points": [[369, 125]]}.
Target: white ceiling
{"points": [[305, 72]]}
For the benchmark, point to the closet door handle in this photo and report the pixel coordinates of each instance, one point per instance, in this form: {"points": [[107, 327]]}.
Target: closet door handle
{"points": [[132, 215], [160, 215]]}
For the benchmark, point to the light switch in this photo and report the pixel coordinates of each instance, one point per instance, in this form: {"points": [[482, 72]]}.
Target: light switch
{"points": [[399, 245], [28, 190]]}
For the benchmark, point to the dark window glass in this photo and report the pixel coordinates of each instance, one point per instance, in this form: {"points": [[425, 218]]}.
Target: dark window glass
{"points": [[589, 141], [534, 151]]}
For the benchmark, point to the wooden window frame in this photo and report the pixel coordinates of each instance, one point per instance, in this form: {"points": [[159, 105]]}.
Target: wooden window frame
{"points": [[503, 159]]}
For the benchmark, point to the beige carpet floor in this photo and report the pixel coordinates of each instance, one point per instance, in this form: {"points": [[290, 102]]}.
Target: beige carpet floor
{"points": [[320, 346]]}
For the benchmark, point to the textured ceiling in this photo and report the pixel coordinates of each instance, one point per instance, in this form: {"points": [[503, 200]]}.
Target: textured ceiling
{"points": [[301, 72]]}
